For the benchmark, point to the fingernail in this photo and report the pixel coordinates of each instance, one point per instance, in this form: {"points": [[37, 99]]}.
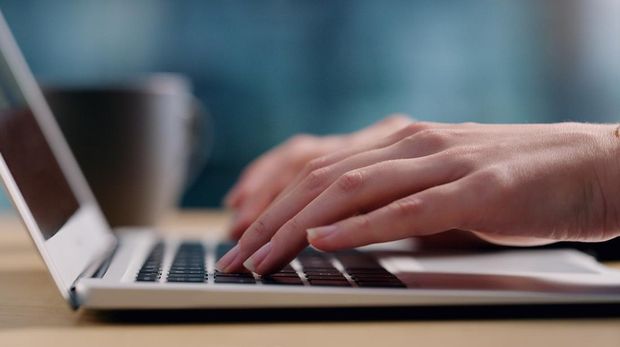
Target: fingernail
{"points": [[227, 259], [320, 232], [253, 262]]}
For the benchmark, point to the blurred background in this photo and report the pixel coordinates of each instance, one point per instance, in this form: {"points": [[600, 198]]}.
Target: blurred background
{"points": [[268, 69]]}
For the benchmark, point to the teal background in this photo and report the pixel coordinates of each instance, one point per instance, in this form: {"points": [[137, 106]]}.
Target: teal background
{"points": [[269, 69]]}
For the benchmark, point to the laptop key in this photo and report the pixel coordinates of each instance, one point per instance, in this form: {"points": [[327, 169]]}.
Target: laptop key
{"points": [[355, 260], [376, 279], [152, 266], [326, 277], [284, 274], [186, 272], [143, 276], [323, 272], [315, 263], [235, 280], [381, 284], [186, 279], [188, 264], [233, 274], [197, 275], [330, 282], [383, 274], [147, 278], [311, 259], [269, 280]]}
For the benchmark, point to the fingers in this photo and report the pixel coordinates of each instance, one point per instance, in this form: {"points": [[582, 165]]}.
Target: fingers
{"points": [[378, 135], [357, 190], [251, 209], [250, 179], [265, 179], [428, 212], [285, 208], [262, 170], [254, 196], [231, 199], [378, 142]]}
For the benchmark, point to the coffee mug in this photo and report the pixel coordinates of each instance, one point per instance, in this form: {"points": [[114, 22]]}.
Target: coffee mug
{"points": [[138, 143]]}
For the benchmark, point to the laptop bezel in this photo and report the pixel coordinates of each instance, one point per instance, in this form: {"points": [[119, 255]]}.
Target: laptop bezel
{"points": [[86, 237]]}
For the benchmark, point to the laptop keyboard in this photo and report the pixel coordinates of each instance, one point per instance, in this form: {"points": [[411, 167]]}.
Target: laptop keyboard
{"points": [[188, 264], [152, 267], [312, 268]]}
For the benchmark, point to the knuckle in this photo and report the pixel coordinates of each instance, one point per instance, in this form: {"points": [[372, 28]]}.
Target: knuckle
{"points": [[351, 181], [315, 164], [462, 160], [252, 167], [361, 223], [366, 231], [397, 118], [412, 128], [259, 228], [432, 138], [317, 179], [405, 207], [494, 180], [293, 226], [405, 131], [300, 140], [258, 232]]}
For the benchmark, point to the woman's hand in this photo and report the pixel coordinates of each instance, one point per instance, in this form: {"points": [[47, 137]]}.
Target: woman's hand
{"points": [[510, 184], [265, 178]]}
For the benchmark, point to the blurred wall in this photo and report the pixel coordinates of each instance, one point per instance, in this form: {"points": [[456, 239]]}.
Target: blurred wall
{"points": [[268, 69]]}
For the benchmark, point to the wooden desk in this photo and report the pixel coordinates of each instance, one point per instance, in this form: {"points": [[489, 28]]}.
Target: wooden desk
{"points": [[33, 313]]}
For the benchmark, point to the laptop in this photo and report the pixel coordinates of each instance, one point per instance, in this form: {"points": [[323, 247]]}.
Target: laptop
{"points": [[96, 268]]}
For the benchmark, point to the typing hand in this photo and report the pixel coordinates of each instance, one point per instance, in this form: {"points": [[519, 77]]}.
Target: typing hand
{"points": [[509, 184], [265, 178]]}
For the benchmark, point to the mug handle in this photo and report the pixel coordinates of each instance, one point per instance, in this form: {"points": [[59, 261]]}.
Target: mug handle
{"points": [[200, 140]]}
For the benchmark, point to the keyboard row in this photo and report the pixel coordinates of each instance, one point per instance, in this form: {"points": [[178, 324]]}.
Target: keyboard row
{"points": [[188, 266]]}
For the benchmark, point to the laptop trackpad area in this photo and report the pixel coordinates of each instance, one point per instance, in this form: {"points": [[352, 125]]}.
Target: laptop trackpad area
{"points": [[503, 262], [523, 270]]}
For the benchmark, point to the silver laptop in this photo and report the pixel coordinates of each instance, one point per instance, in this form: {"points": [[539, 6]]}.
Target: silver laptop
{"points": [[95, 268]]}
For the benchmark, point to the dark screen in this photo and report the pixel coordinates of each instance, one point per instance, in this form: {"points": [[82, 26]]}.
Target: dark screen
{"points": [[30, 160]]}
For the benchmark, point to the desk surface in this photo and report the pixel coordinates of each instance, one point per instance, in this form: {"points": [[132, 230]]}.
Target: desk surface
{"points": [[33, 313]]}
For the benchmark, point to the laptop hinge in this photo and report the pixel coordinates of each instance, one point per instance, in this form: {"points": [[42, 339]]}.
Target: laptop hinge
{"points": [[96, 270], [105, 263], [73, 299]]}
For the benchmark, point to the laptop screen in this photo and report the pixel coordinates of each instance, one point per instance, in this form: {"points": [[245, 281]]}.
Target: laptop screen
{"points": [[30, 160]]}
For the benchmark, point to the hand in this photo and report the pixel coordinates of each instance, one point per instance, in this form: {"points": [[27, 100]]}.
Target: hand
{"points": [[265, 178], [509, 184]]}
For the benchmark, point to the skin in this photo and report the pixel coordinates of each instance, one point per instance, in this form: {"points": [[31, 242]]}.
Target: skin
{"points": [[257, 188], [508, 184]]}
